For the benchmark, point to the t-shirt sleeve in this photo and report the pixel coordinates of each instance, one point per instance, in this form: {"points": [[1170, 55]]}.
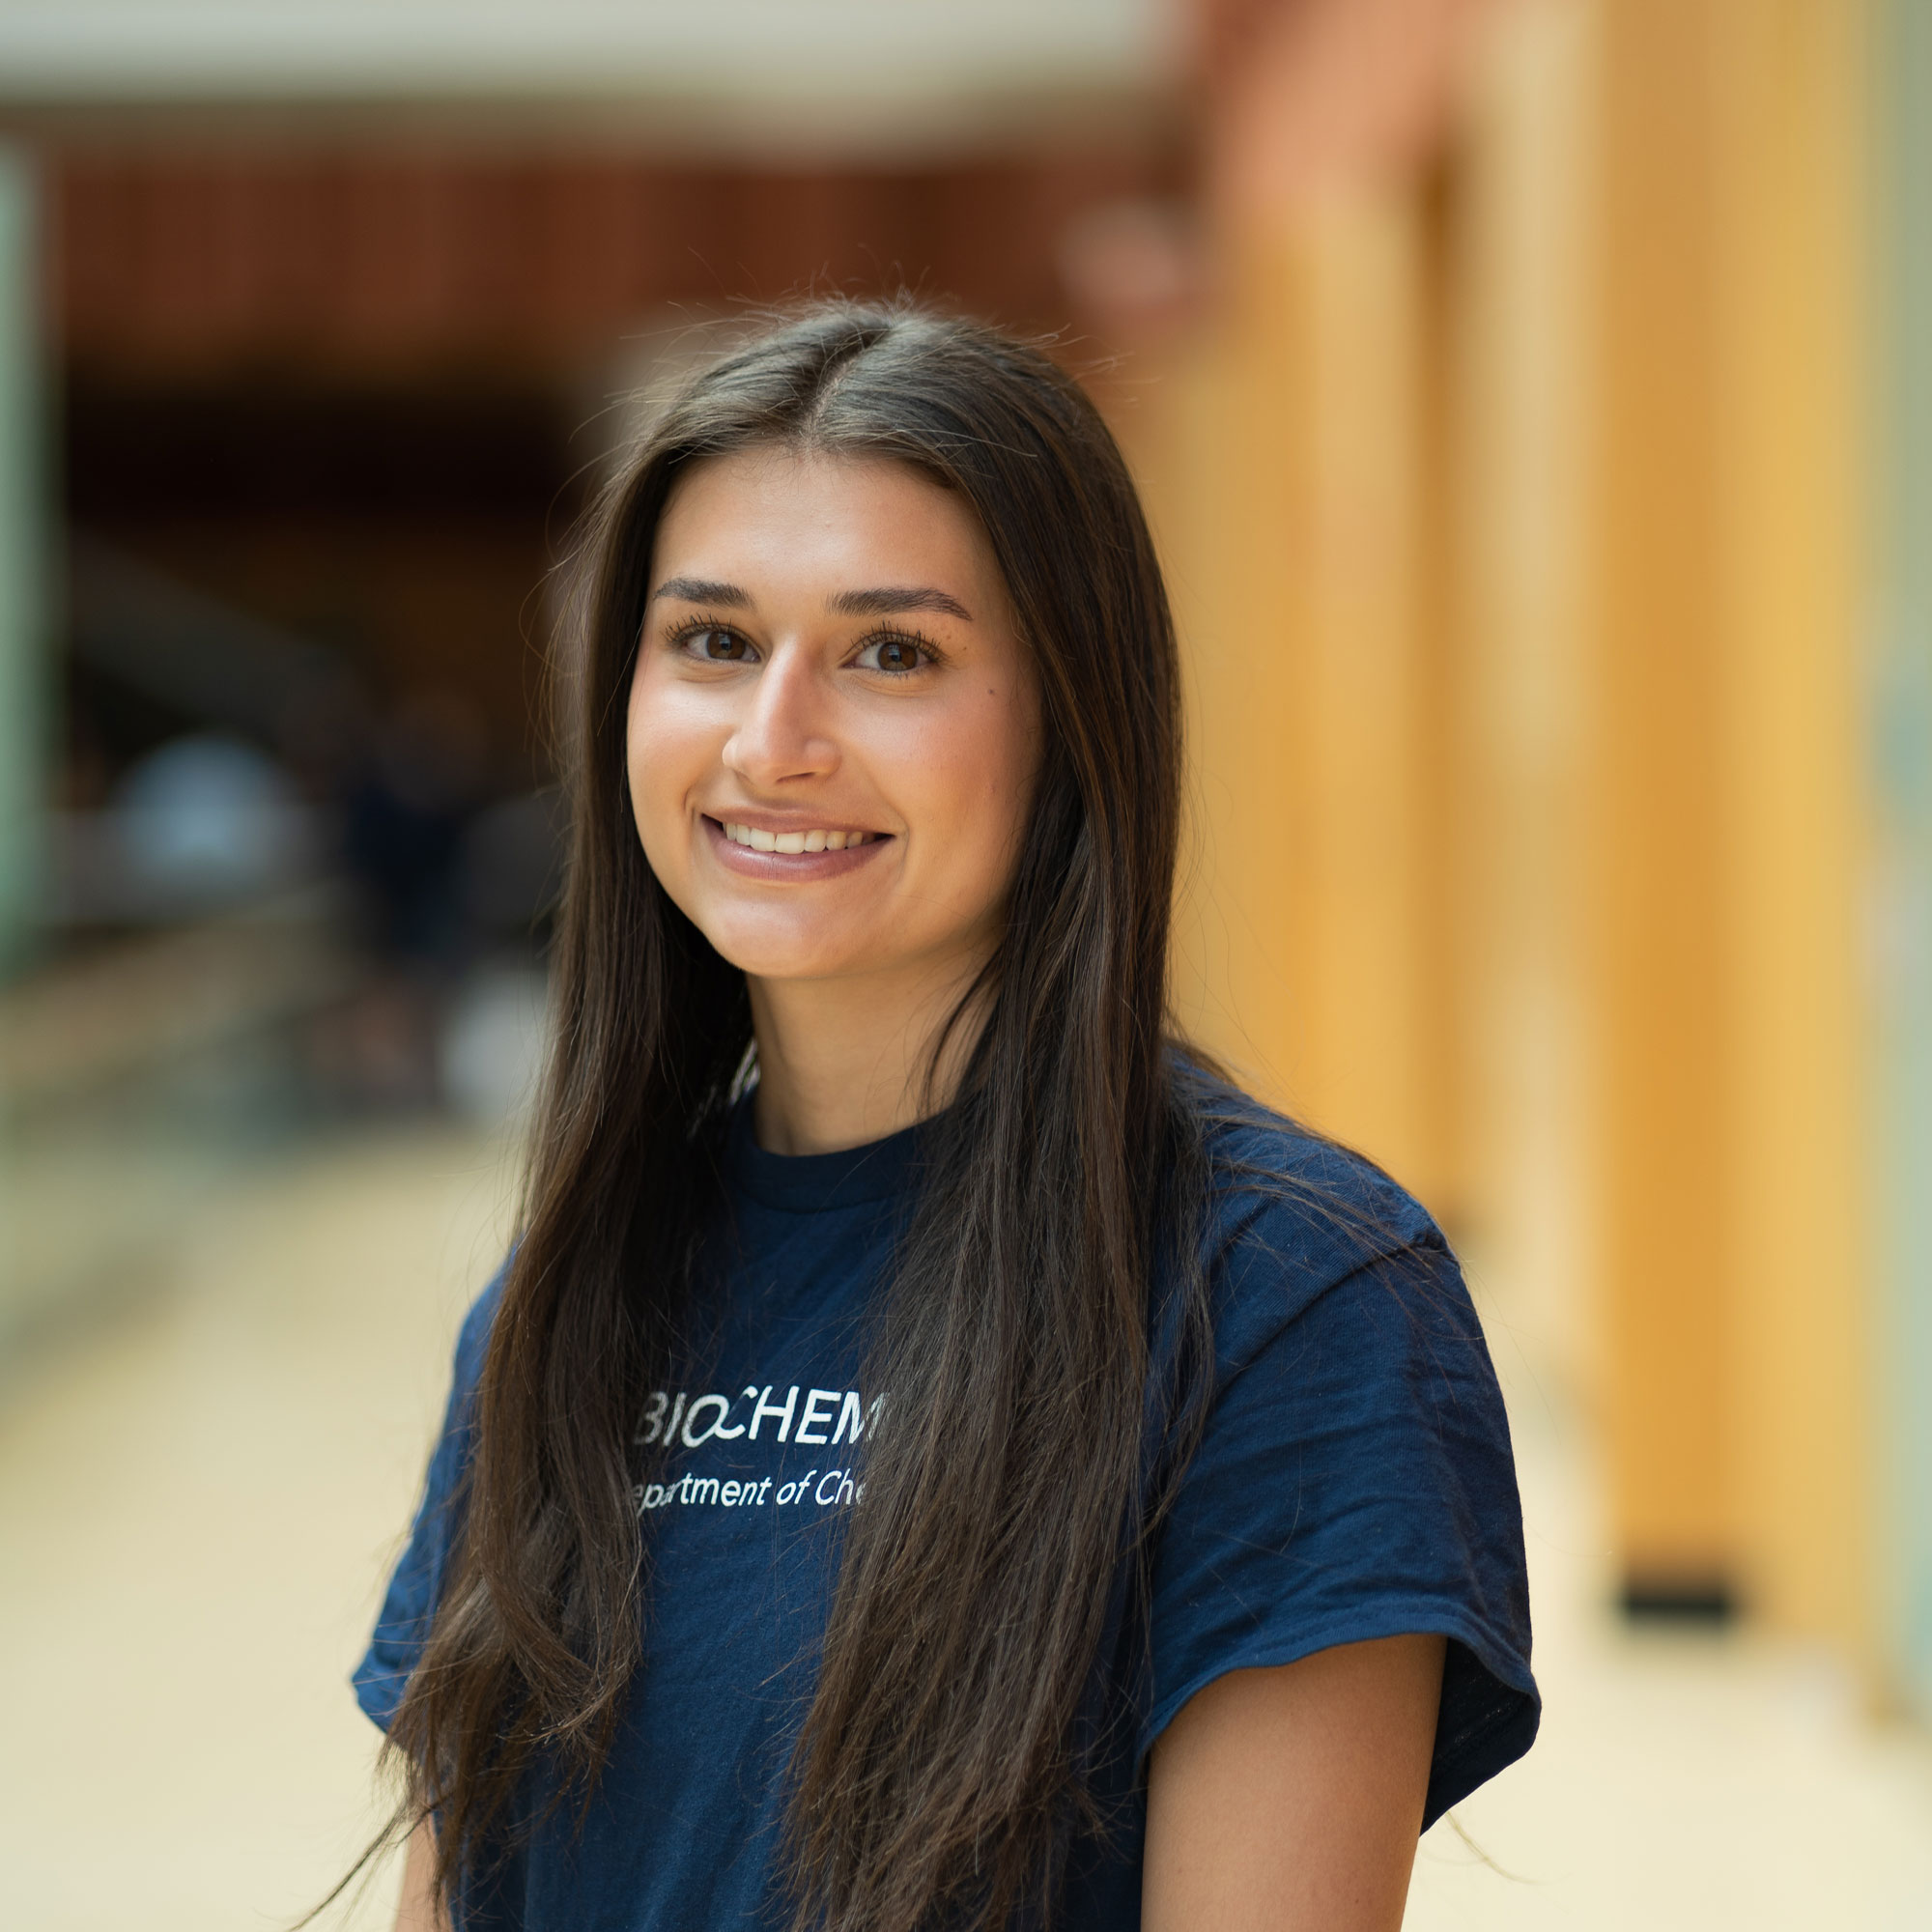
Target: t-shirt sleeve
{"points": [[416, 1588], [1353, 1480]]}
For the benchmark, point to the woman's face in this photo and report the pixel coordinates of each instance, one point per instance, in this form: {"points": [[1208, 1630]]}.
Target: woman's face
{"points": [[832, 728]]}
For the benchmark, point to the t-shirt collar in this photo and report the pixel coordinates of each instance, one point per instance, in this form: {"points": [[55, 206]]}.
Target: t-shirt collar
{"points": [[807, 1184]]}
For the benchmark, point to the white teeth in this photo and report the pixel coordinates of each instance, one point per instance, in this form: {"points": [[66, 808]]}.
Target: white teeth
{"points": [[760, 841]]}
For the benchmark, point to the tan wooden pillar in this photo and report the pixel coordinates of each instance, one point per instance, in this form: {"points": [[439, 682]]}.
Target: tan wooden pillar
{"points": [[1728, 846], [1296, 542], [1299, 503], [1658, 936], [1521, 227], [1792, 126]]}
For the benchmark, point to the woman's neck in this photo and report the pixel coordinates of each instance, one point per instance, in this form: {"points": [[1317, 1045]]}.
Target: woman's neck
{"points": [[846, 1062]]}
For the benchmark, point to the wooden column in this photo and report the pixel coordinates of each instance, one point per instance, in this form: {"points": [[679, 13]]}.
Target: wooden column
{"points": [[1730, 824], [1657, 937], [1792, 123], [1297, 541], [1901, 758], [1517, 500]]}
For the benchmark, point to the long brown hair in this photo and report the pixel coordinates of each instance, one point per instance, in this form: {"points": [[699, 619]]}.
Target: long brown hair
{"points": [[939, 1772]]}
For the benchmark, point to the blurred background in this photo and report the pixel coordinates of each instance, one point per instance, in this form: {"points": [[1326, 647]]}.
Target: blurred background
{"points": [[1533, 399]]}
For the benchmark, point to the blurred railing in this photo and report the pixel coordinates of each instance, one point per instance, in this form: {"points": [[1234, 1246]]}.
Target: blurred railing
{"points": [[135, 1078]]}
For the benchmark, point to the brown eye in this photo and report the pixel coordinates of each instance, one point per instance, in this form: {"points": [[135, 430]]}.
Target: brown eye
{"points": [[715, 644], [891, 654]]}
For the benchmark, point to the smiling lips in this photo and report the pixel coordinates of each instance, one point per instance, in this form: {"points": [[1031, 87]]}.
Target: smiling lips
{"points": [[757, 839]]}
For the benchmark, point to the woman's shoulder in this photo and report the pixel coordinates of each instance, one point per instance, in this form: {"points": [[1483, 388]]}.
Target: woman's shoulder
{"points": [[1297, 1236], [1344, 1348], [473, 1348], [416, 1584], [473, 1338], [1271, 1183]]}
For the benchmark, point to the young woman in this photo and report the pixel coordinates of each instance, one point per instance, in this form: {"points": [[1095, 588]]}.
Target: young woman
{"points": [[935, 1458]]}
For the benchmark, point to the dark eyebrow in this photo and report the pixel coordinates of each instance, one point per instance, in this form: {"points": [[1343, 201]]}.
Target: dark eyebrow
{"points": [[702, 590], [889, 603]]}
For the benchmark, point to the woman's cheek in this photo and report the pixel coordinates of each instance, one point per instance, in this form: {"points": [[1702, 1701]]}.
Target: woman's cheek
{"points": [[978, 797], [657, 804]]}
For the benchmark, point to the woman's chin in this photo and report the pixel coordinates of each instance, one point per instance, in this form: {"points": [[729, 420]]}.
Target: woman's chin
{"points": [[767, 955]]}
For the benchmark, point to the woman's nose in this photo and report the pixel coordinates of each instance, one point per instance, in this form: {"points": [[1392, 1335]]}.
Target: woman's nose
{"points": [[782, 734]]}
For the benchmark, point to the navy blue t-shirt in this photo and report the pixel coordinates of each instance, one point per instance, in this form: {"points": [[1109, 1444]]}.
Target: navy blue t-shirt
{"points": [[1353, 1480]]}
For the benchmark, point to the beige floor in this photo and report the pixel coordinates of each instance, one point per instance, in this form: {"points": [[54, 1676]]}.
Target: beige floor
{"points": [[196, 1508], [197, 1502], [1680, 1783]]}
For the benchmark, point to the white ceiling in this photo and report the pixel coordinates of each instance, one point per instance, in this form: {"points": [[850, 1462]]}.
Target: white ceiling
{"points": [[74, 52]]}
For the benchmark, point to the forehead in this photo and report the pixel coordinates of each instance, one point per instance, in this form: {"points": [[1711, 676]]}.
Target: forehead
{"points": [[786, 516]]}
